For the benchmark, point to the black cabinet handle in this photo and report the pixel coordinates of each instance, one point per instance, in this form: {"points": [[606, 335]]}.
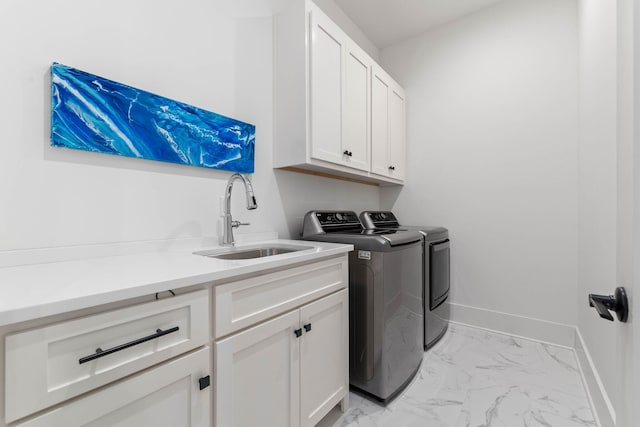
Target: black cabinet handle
{"points": [[298, 332], [204, 382], [617, 303], [347, 153], [392, 168], [101, 353], [307, 327]]}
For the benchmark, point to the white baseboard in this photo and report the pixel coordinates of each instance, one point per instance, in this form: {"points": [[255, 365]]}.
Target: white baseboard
{"points": [[600, 402], [512, 324]]}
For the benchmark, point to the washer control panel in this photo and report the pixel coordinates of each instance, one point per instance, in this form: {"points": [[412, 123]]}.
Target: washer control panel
{"points": [[337, 218]]}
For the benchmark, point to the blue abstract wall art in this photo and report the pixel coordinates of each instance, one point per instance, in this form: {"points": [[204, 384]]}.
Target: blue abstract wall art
{"points": [[95, 114]]}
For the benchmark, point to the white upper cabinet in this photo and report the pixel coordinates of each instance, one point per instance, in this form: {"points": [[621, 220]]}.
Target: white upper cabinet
{"points": [[388, 152], [323, 99], [380, 124], [355, 104], [397, 141], [327, 51], [339, 96]]}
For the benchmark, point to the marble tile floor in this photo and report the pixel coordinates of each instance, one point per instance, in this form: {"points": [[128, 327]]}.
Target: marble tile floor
{"points": [[477, 378]]}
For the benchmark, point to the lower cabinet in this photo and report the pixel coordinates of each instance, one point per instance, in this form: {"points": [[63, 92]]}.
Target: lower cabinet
{"points": [[173, 394], [279, 351], [287, 371], [324, 356], [48, 365]]}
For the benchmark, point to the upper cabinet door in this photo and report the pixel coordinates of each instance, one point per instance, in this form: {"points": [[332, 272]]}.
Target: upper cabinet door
{"points": [[379, 123], [388, 152], [356, 107], [397, 142], [326, 69]]}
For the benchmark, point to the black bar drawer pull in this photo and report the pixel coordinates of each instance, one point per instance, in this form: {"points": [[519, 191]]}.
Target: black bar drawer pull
{"points": [[101, 353]]}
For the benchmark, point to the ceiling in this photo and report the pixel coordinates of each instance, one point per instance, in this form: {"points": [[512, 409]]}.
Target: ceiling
{"points": [[386, 22], [251, 8]]}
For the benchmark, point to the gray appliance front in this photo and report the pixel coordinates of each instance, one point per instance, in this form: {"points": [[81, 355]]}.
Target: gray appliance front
{"points": [[436, 289], [436, 275], [386, 318]]}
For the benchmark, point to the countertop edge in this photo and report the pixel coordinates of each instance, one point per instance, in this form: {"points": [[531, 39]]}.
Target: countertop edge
{"points": [[38, 310]]}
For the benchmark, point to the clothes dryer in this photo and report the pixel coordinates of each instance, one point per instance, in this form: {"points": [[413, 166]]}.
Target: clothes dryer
{"points": [[436, 270]]}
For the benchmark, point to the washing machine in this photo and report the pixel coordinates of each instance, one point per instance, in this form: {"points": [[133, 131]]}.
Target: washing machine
{"points": [[436, 273], [385, 300]]}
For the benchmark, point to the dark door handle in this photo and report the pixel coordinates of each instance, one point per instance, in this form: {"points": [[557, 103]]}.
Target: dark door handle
{"points": [[347, 153], [298, 332], [617, 303], [101, 353], [307, 327]]}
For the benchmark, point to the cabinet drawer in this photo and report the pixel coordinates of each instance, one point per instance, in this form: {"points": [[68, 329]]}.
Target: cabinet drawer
{"points": [[246, 302], [168, 395], [48, 365]]}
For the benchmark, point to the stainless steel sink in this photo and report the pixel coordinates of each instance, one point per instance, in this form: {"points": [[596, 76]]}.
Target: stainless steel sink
{"points": [[252, 252]]}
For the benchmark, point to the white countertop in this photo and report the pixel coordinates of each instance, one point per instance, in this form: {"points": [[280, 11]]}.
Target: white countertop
{"points": [[38, 290]]}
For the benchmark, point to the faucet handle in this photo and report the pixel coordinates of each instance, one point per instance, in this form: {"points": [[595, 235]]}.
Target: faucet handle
{"points": [[236, 224]]}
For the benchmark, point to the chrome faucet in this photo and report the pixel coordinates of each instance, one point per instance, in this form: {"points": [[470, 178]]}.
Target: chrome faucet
{"points": [[229, 223]]}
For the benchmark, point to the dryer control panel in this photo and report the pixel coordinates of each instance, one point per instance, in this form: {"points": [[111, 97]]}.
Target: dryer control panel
{"points": [[379, 219]]}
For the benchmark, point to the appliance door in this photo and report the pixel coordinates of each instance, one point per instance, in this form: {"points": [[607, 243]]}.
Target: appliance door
{"points": [[439, 272]]}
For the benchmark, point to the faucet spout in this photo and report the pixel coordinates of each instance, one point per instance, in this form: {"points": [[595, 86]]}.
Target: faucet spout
{"points": [[229, 223]]}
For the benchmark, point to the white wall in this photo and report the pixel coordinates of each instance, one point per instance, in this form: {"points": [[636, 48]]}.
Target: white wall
{"points": [[348, 26], [492, 152], [216, 55]]}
